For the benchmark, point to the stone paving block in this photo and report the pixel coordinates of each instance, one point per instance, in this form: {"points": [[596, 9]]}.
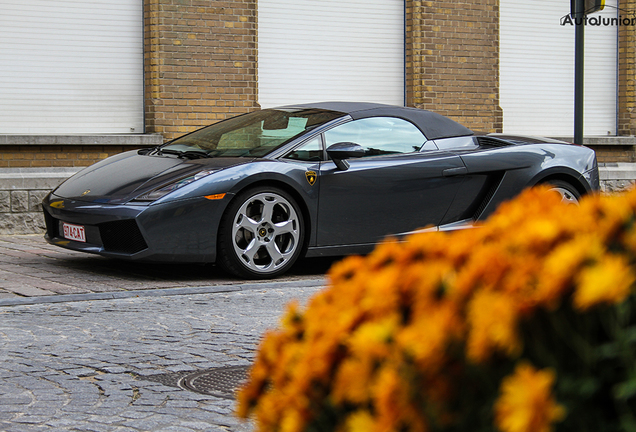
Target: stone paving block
{"points": [[58, 288], [27, 291], [96, 287], [95, 427], [63, 422]]}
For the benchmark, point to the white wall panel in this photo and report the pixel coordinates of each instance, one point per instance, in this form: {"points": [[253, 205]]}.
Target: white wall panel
{"points": [[71, 66], [318, 50], [537, 70]]}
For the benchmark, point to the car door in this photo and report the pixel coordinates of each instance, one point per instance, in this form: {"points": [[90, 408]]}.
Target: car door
{"points": [[394, 189]]}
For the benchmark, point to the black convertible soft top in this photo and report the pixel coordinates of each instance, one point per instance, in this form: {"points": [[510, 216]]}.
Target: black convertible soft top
{"points": [[433, 125]]}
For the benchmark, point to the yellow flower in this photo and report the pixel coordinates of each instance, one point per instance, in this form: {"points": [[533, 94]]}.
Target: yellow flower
{"points": [[526, 403], [561, 267], [344, 270], [440, 325], [608, 281], [492, 320], [373, 338], [369, 345], [606, 215], [381, 293], [292, 421], [359, 421], [383, 347], [486, 268], [352, 380]]}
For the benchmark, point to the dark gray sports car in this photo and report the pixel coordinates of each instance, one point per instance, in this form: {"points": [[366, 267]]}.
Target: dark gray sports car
{"points": [[255, 192]]}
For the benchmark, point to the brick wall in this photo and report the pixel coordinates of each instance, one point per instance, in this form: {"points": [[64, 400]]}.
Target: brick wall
{"points": [[34, 156], [453, 60], [200, 62], [614, 153], [627, 72]]}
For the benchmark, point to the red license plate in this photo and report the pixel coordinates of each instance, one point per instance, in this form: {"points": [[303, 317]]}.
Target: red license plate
{"points": [[74, 232]]}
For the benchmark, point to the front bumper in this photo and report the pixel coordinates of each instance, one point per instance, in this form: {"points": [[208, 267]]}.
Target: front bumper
{"points": [[178, 231]]}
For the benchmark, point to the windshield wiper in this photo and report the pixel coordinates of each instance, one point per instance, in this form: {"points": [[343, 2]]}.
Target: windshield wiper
{"points": [[190, 154], [147, 150]]}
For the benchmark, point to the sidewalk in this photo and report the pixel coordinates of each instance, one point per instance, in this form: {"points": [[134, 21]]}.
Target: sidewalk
{"points": [[30, 267]]}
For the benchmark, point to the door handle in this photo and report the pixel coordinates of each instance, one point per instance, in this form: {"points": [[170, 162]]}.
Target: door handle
{"points": [[455, 171]]}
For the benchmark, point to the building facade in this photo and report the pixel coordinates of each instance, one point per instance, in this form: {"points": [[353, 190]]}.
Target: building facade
{"points": [[85, 80]]}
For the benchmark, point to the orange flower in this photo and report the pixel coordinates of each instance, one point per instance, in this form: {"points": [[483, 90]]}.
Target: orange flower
{"points": [[382, 347], [561, 267], [608, 281], [492, 320], [426, 339], [526, 403]]}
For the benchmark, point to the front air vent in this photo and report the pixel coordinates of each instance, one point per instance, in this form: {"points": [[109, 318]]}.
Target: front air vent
{"points": [[122, 237]]}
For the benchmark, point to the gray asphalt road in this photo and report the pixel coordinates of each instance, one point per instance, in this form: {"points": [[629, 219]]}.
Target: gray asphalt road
{"points": [[94, 365]]}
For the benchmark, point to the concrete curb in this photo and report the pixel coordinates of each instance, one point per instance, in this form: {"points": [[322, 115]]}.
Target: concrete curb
{"points": [[161, 292], [149, 140]]}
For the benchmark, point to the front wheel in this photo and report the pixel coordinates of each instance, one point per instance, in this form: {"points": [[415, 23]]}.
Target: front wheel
{"points": [[261, 234]]}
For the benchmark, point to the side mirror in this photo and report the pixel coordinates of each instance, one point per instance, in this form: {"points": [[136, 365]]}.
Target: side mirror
{"points": [[344, 150]]}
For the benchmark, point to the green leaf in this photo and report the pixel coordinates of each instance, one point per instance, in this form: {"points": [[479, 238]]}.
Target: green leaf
{"points": [[625, 390]]}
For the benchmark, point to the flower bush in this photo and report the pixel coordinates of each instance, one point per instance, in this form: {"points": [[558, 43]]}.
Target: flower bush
{"points": [[525, 324]]}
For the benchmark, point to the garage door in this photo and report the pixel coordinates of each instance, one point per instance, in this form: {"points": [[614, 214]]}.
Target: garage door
{"points": [[317, 50], [537, 70], [71, 66]]}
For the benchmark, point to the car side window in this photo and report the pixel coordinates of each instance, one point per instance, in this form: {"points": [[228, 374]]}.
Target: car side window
{"points": [[378, 135], [309, 152]]}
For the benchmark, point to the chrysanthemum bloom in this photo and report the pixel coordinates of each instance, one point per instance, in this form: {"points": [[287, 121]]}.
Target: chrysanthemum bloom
{"points": [[608, 281], [526, 403], [396, 339], [492, 320]]}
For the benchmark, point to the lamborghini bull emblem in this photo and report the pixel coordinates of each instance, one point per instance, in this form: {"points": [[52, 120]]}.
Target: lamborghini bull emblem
{"points": [[311, 177]]}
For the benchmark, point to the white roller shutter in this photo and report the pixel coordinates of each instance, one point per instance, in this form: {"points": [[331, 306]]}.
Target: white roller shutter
{"points": [[318, 50], [537, 70], [71, 66]]}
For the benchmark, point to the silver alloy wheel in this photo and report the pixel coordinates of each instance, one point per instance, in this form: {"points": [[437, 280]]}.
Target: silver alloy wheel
{"points": [[567, 196], [266, 232]]}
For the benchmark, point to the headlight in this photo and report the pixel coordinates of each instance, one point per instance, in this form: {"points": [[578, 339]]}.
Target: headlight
{"points": [[170, 187]]}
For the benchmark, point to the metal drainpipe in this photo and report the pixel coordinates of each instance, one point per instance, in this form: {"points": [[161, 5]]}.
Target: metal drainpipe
{"points": [[618, 14], [404, 53]]}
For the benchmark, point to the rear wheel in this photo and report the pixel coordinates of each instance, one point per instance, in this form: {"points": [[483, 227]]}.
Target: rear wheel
{"points": [[261, 234], [569, 194]]}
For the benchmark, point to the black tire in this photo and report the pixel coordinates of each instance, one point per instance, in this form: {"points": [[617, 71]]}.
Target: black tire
{"points": [[568, 192], [261, 233]]}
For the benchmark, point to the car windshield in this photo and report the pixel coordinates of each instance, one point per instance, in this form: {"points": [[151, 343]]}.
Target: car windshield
{"points": [[252, 135]]}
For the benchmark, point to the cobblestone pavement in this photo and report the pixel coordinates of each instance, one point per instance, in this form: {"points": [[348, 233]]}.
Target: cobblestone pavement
{"points": [[94, 344], [30, 267], [89, 365]]}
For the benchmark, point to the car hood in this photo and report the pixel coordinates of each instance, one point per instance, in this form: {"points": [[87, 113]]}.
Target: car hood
{"points": [[123, 177]]}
